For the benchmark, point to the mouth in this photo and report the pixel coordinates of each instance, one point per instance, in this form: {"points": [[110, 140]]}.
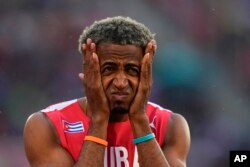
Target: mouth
{"points": [[119, 96]]}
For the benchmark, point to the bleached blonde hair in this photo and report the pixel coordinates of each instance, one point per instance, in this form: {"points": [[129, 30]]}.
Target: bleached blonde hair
{"points": [[117, 30]]}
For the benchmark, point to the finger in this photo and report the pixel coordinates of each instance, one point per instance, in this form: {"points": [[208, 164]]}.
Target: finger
{"points": [[92, 79], [89, 41], [88, 51], [93, 47], [83, 48], [95, 58], [151, 47], [148, 67], [154, 45], [81, 76], [146, 72], [153, 42], [148, 47], [144, 85], [92, 73], [96, 67]]}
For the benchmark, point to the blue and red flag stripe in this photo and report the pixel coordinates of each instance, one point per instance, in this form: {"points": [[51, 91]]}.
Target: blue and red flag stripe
{"points": [[73, 127]]}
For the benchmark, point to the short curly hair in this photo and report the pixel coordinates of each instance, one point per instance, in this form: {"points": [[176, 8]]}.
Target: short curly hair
{"points": [[117, 30]]}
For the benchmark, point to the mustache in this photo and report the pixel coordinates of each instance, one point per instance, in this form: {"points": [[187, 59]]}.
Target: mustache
{"points": [[125, 91]]}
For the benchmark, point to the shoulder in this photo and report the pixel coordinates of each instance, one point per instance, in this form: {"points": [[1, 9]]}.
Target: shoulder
{"points": [[177, 124], [178, 120], [177, 138], [42, 146], [35, 120], [37, 135], [155, 109], [60, 106], [38, 125]]}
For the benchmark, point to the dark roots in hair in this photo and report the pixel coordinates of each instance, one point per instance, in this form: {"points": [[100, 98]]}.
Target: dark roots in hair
{"points": [[117, 30]]}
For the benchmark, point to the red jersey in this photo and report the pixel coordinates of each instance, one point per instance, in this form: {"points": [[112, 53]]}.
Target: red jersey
{"points": [[72, 126]]}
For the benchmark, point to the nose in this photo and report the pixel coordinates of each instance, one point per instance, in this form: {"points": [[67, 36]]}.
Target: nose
{"points": [[120, 81]]}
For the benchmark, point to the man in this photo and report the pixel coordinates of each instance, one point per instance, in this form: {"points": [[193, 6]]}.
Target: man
{"points": [[114, 125]]}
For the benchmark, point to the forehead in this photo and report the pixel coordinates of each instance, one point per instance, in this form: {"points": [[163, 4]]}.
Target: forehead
{"points": [[107, 51]]}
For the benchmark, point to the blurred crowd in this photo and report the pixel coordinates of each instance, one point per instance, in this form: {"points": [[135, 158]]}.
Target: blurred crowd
{"points": [[201, 67]]}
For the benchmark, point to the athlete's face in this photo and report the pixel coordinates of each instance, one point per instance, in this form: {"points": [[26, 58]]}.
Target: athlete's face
{"points": [[120, 72]]}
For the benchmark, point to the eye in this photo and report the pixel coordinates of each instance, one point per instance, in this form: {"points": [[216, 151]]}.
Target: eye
{"points": [[132, 70], [107, 70]]}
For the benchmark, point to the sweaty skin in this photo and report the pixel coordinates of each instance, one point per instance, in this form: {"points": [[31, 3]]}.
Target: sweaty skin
{"points": [[117, 80]]}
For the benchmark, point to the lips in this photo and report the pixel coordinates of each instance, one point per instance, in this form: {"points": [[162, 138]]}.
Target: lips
{"points": [[119, 96]]}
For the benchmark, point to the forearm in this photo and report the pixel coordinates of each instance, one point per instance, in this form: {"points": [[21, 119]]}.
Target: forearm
{"points": [[92, 153], [149, 152]]}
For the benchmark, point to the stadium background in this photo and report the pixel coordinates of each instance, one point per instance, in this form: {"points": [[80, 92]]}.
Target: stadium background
{"points": [[201, 70]]}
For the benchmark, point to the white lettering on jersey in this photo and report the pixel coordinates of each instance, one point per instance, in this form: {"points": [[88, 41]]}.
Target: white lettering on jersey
{"points": [[121, 156], [112, 157], [136, 163], [105, 158], [118, 157]]}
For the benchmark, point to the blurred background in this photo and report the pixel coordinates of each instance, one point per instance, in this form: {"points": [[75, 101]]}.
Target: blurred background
{"points": [[201, 68]]}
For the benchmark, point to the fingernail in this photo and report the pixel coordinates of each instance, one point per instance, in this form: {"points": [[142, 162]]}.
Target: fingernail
{"points": [[84, 46], [92, 45], [94, 55], [88, 40], [81, 75]]}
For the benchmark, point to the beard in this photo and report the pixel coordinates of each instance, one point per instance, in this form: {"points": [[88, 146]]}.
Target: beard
{"points": [[119, 110]]}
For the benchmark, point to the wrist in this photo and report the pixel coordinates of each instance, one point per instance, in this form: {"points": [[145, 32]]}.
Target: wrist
{"points": [[144, 138], [99, 119], [140, 125], [98, 127]]}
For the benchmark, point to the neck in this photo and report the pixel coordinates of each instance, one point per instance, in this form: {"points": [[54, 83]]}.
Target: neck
{"points": [[112, 118]]}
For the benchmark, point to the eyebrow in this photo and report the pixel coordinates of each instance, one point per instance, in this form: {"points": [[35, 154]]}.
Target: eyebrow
{"points": [[133, 65], [108, 62]]}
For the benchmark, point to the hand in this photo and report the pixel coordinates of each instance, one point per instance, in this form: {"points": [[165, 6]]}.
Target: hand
{"points": [[139, 103], [97, 103]]}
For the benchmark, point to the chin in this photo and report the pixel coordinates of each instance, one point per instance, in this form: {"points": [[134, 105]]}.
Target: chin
{"points": [[119, 110]]}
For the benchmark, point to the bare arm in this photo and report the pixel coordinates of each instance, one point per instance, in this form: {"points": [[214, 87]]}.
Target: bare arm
{"points": [[176, 144], [177, 140], [149, 152], [92, 153], [41, 144], [43, 149]]}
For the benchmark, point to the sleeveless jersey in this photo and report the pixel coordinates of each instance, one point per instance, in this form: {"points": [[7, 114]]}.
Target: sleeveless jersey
{"points": [[72, 126]]}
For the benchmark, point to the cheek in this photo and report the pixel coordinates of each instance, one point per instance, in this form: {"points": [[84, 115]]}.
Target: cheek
{"points": [[134, 83], [106, 81]]}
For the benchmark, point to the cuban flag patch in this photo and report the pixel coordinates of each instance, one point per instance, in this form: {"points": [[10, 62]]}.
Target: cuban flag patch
{"points": [[73, 127]]}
